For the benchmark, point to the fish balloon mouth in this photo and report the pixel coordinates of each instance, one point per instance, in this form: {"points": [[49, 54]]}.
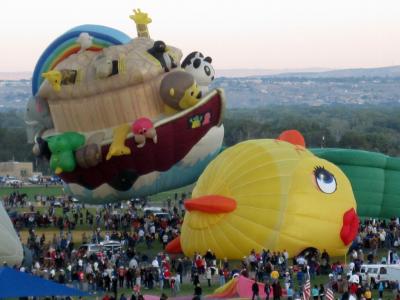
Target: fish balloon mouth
{"points": [[211, 204], [350, 226], [206, 211]]}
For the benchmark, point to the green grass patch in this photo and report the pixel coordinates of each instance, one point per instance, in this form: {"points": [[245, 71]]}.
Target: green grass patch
{"points": [[58, 190], [160, 197], [32, 191]]}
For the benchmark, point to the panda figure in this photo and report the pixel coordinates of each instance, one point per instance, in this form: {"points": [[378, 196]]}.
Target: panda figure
{"points": [[201, 69]]}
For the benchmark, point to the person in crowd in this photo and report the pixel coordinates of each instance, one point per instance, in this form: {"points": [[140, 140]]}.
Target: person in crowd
{"points": [[315, 292], [198, 291], [277, 290], [267, 290], [58, 257], [255, 290], [321, 292]]}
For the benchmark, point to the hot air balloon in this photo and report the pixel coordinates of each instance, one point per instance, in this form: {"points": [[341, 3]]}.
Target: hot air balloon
{"points": [[10, 247], [117, 117], [268, 194], [374, 177]]}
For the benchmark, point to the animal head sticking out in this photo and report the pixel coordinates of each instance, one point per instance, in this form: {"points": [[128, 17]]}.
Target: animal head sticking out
{"points": [[179, 90], [160, 52], [62, 149], [200, 67]]}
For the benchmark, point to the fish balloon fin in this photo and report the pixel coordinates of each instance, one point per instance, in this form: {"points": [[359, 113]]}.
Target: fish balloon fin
{"points": [[174, 246], [292, 136]]}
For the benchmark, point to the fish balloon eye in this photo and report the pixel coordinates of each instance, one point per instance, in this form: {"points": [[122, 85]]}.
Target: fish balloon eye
{"points": [[325, 180]]}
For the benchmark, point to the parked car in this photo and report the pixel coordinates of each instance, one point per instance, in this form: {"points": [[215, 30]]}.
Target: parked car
{"points": [[111, 246], [55, 180], [34, 179], [162, 215], [56, 203], [11, 180], [152, 210], [89, 249]]}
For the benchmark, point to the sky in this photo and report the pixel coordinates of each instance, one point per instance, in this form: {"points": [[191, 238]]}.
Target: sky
{"points": [[261, 34]]}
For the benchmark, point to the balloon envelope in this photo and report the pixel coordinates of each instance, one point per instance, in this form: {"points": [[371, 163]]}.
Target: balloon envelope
{"points": [[375, 179], [286, 199], [114, 82], [10, 247]]}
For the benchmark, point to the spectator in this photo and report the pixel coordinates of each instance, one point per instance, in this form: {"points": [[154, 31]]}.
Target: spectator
{"points": [[267, 290], [208, 276], [255, 290], [198, 291], [277, 290], [315, 292]]}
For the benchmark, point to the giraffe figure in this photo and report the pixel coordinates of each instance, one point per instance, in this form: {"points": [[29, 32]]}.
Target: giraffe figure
{"points": [[141, 20]]}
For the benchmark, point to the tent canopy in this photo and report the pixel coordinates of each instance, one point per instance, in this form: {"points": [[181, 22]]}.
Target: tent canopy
{"points": [[19, 284], [239, 287]]}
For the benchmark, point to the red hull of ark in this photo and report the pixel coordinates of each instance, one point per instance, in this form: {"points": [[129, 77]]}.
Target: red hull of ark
{"points": [[176, 137]]}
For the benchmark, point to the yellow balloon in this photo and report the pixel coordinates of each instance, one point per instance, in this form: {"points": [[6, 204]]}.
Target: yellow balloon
{"points": [[275, 274], [269, 194]]}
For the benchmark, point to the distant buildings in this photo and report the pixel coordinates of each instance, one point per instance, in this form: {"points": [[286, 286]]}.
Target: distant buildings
{"points": [[16, 169]]}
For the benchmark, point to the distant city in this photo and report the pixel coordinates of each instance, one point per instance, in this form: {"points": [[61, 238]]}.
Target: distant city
{"points": [[14, 94], [265, 88]]}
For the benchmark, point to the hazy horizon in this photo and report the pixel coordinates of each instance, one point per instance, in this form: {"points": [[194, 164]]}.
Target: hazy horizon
{"points": [[234, 72], [256, 34]]}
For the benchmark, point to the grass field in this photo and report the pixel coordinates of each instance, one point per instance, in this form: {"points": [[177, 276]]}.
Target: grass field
{"points": [[159, 199], [31, 191], [187, 287], [164, 195]]}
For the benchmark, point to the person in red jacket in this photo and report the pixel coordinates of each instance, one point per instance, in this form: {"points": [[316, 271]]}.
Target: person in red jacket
{"points": [[106, 297]]}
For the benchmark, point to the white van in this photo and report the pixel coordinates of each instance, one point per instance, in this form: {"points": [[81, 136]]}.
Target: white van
{"points": [[387, 273]]}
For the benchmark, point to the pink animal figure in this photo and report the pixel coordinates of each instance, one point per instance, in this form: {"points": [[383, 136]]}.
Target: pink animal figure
{"points": [[143, 128], [207, 119]]}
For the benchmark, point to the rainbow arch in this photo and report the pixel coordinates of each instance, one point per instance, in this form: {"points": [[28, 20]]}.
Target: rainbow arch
{"points": [[66, 44]]}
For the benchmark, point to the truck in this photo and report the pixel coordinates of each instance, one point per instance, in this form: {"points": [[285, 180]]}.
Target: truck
{"points": [[381, 272]]}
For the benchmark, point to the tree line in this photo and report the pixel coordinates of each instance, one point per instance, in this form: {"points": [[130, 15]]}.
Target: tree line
{"points": [[365, 127]]}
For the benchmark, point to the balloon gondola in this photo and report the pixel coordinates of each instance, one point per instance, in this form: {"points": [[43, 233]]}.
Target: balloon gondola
{"points": [[118, 117]]}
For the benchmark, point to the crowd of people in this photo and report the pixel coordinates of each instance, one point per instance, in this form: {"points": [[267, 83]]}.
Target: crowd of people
{"points": [[108, 272]]}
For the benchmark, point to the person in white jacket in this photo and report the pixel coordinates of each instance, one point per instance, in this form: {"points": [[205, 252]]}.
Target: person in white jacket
{"points": [[208, 276]]}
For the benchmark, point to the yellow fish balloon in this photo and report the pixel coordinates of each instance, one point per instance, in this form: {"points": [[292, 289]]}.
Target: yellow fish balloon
{"points": [[269, 194]]}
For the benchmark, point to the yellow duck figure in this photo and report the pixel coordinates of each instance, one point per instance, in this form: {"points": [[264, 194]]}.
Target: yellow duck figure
{"points": [[268, 194], [118, 147], [54, 77]]}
